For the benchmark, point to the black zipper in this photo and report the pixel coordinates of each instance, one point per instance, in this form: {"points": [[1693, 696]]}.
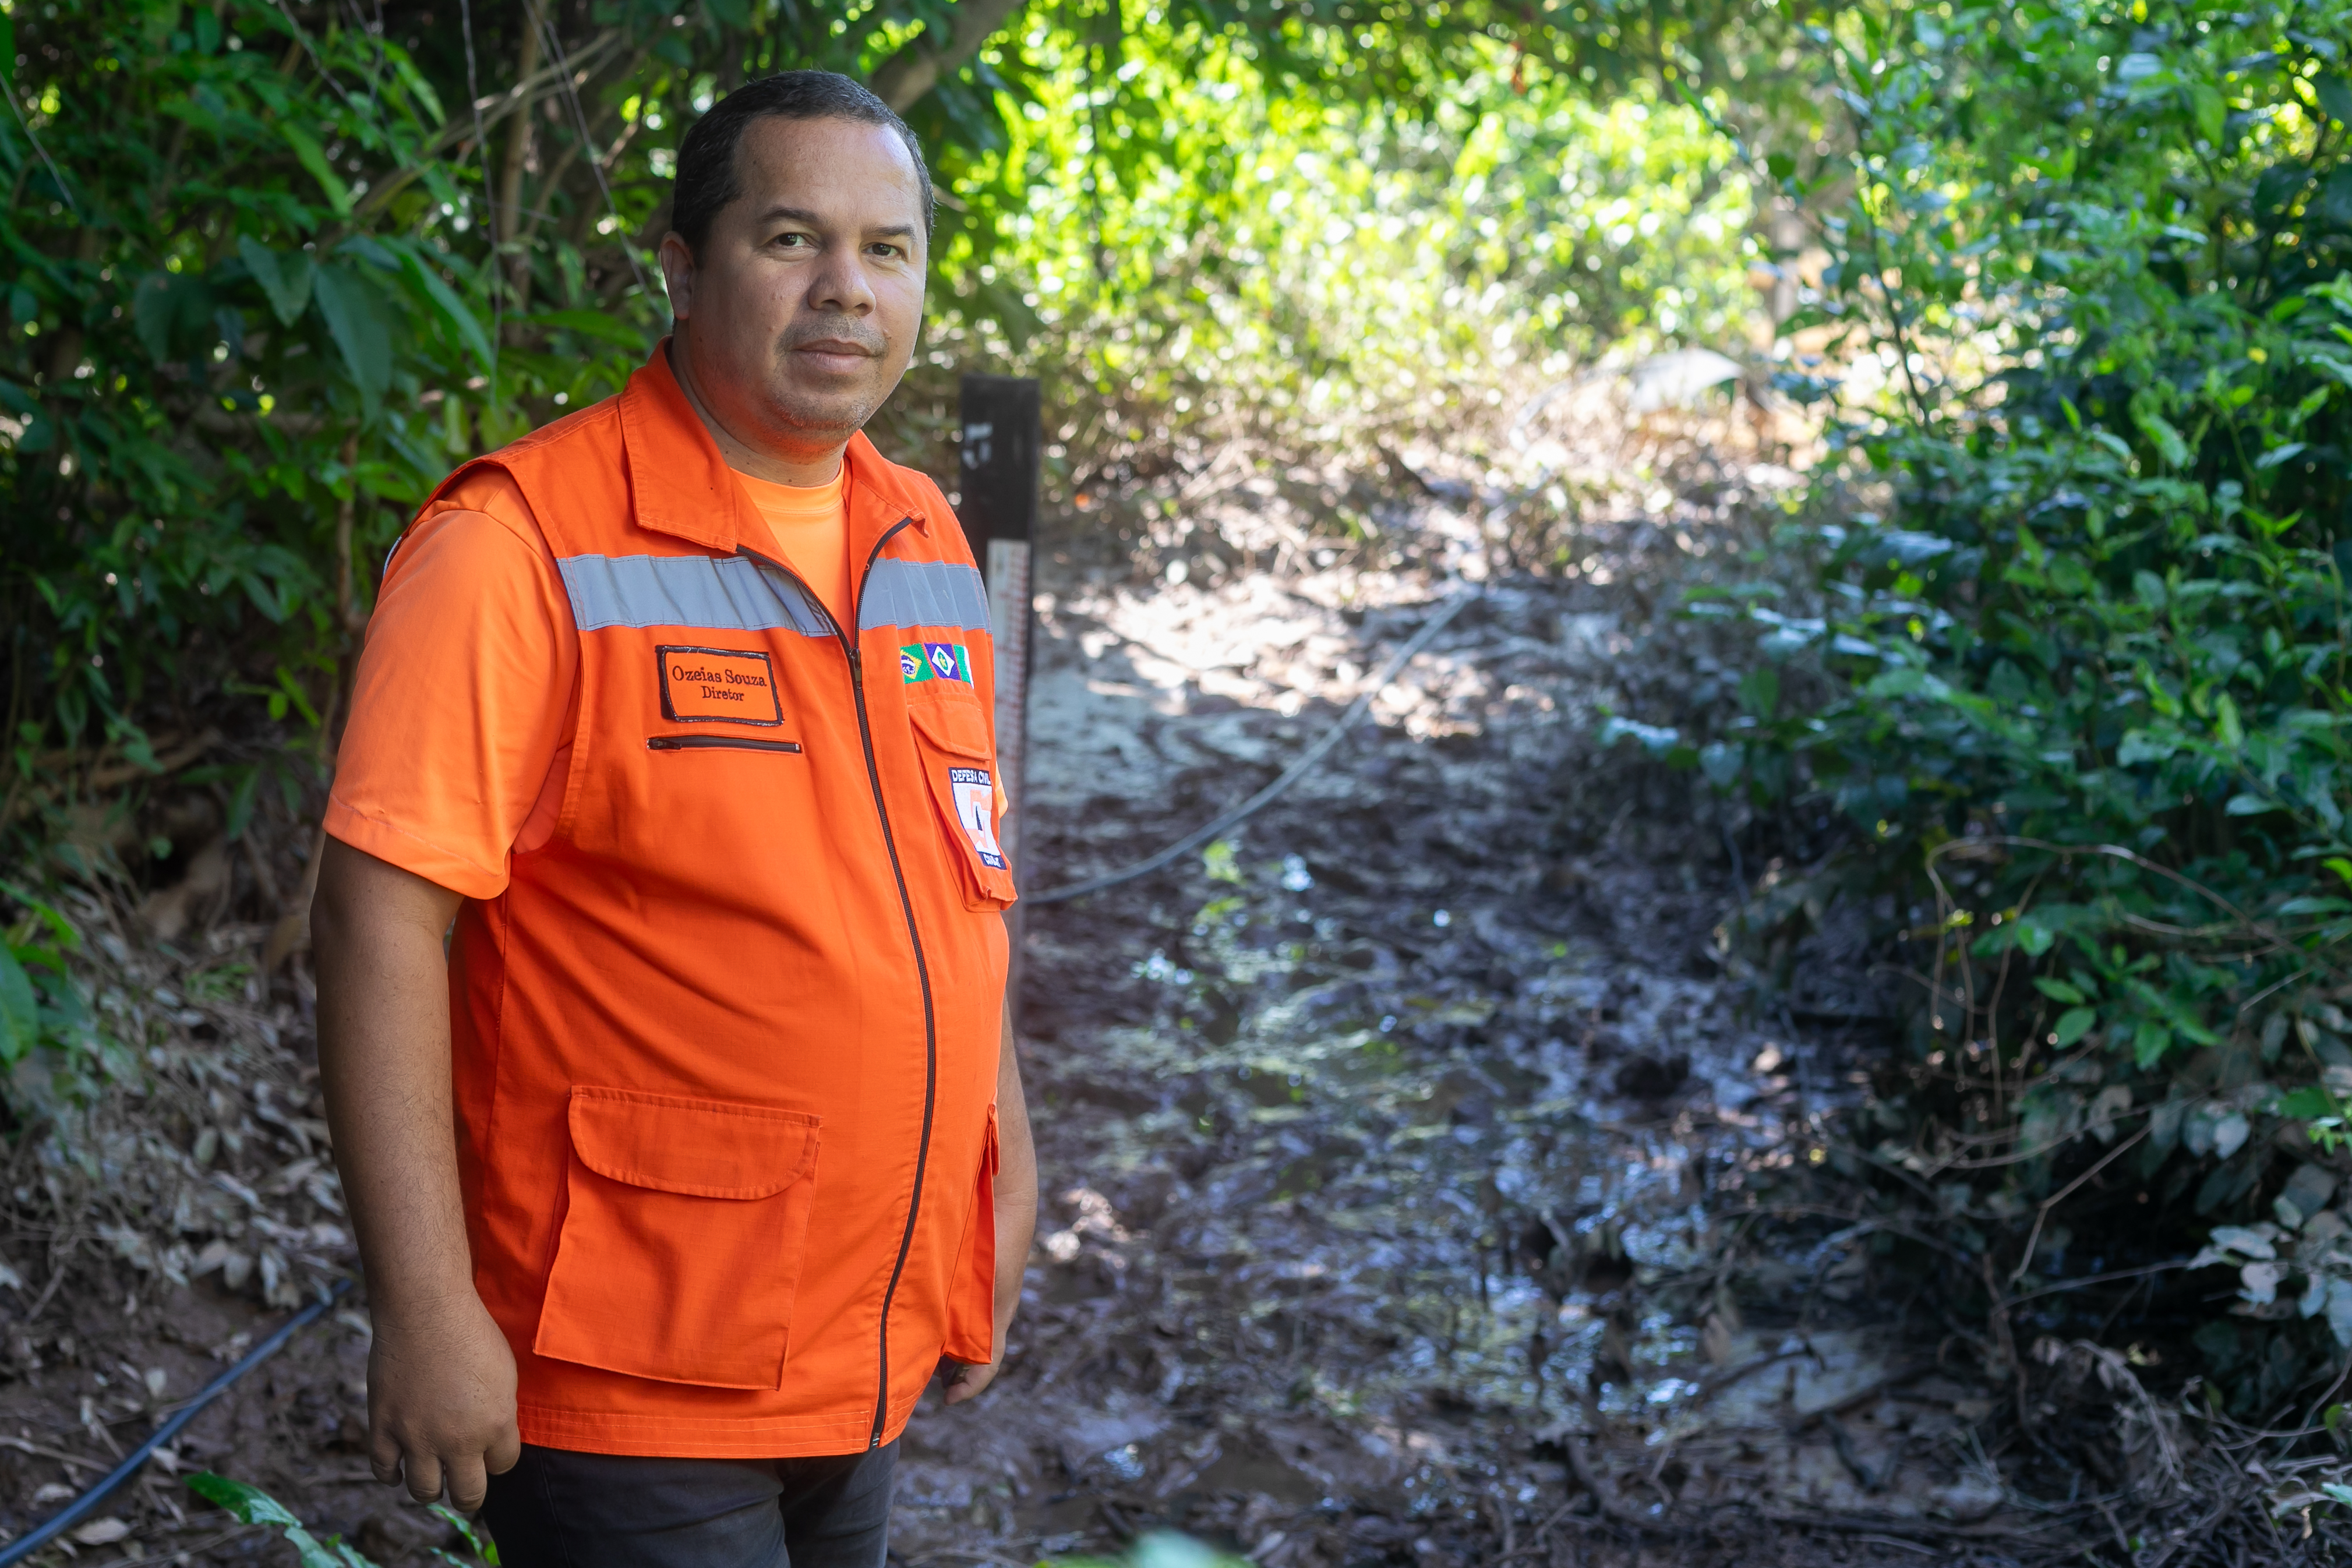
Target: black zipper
{"points": [[716, 743], [914, 936]]}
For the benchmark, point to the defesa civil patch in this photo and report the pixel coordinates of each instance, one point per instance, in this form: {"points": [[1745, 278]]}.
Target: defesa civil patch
{"points": [[718, 685], [935, 661], [975, 809]]}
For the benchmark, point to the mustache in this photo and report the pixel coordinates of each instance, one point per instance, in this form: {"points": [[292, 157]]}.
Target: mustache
{"points": [[837, 329]]}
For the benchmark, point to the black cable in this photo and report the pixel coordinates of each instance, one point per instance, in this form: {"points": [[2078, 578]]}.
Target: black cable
{"points": [[75, 1511], [1290, 775]]}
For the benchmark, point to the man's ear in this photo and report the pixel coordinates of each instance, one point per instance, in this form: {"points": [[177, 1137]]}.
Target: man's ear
{"points": [[677, 274]]}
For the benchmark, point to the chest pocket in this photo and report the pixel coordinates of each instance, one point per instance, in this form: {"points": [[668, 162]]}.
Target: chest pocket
{"points": [[960, 770]]}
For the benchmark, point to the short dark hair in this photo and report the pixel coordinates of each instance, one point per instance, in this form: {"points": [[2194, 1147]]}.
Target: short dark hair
{"points": [[707, 178]]}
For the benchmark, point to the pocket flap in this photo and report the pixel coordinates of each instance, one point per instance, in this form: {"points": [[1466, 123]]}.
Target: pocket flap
{"points": [[702, 1148], [952, 725]]}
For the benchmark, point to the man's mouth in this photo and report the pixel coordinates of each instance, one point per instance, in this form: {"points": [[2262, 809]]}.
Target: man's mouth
{"points": [[837, 355]]}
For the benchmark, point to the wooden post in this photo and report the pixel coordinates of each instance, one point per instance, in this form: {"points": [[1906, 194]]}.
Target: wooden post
{"points": [[1003, 436]]}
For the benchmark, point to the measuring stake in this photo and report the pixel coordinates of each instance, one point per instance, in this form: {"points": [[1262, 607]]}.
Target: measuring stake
{"points": [[1001, 438]]}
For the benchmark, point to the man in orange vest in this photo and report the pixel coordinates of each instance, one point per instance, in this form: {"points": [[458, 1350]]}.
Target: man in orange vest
{"points": [[700, 1148]]}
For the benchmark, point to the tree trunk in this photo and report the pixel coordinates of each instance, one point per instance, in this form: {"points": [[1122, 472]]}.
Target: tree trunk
{"points": [[922, 61], [509, 205]]}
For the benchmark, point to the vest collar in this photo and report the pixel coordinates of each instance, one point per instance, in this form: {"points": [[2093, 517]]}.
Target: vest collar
{"points": [[680, 484]]}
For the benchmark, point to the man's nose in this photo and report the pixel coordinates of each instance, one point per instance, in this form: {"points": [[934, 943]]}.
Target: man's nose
{"points": [[840, 286]]}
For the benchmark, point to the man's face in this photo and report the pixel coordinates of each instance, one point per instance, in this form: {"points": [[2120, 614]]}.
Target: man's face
{"points": [[799, 317]]}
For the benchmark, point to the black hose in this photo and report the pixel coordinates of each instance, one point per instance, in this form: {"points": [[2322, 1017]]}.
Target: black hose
{"points": [[75, 1511], [1290, 775]]}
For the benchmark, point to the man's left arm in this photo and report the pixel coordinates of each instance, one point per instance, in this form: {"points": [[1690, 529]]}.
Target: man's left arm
{"points": [[1016, 1212]]}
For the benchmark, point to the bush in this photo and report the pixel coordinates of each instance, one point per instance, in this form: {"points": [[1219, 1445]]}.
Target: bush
{"points": [[2087, 336]]}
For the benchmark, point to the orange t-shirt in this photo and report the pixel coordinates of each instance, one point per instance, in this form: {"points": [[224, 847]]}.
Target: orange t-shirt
{"points": [[467, 696], [812, 528]]}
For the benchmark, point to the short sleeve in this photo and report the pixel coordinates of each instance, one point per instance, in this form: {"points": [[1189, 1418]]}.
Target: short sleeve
{"points": [[465, 696]]}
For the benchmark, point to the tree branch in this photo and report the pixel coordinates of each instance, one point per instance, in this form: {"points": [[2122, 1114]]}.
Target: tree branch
{"points": [[920, 62]]}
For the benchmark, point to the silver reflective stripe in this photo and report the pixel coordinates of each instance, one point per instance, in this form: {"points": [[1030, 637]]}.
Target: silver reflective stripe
{"points": [[732, 593], [923, 593]]}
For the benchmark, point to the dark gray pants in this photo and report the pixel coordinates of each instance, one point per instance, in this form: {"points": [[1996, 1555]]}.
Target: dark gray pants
{"points": [[561, 1509]]}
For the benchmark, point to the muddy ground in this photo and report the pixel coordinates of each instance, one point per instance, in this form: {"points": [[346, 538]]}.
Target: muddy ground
{"points": [[1403, 1152]]}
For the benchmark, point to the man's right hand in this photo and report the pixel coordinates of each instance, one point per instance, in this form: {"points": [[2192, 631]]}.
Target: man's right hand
{"points": [[441, 1379], [441, 1403]]}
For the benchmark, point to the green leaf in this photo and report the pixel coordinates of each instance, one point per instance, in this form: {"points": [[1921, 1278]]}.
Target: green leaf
{"points": [[2149, 1042], [356, 321], [2334, 96], [594, 324], [2229, 729], [2340, 866], [62, 931], [414, 79], [2307, 1104], [313, 157], [2248, 805], [166, 309], [286, 279], [312, 1552], [2336, 210], [2160, 430], [240, 802], [444, 299], [247, 1504], [20, 1012], [2058, 990], [2211, 113], [482, 1545], [2073, 1023]]}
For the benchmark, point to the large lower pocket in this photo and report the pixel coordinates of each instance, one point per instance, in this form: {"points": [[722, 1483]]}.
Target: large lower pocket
{"points": [[683, 1242], [951, 745], [971, 1293]]}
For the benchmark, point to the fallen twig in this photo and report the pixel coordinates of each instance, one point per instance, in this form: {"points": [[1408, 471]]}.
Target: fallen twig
{"points": [[1607, 1500]]}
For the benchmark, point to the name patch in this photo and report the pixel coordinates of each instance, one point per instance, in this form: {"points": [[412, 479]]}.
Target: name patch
{"points": [[718, 685], [975, 808], [935, 661]]}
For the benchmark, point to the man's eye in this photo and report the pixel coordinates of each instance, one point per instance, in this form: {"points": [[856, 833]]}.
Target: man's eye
{"points": [[793, 241]]}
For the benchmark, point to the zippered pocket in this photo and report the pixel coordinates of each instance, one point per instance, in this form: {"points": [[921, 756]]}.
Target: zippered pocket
{"points": [[716, 743]]}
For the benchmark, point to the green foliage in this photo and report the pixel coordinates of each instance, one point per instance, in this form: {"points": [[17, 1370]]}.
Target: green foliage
{"points": [[2085, 322], [246, 332], [250, 1505], [50, 1046], [273, 269], [1189, 249]]}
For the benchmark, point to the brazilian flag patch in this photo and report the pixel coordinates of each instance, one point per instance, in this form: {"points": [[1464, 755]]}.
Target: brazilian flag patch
{"points": [[935, 661]]}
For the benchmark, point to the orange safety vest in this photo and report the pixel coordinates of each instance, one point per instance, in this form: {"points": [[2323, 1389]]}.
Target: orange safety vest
{"points": [[726, 1047]]}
